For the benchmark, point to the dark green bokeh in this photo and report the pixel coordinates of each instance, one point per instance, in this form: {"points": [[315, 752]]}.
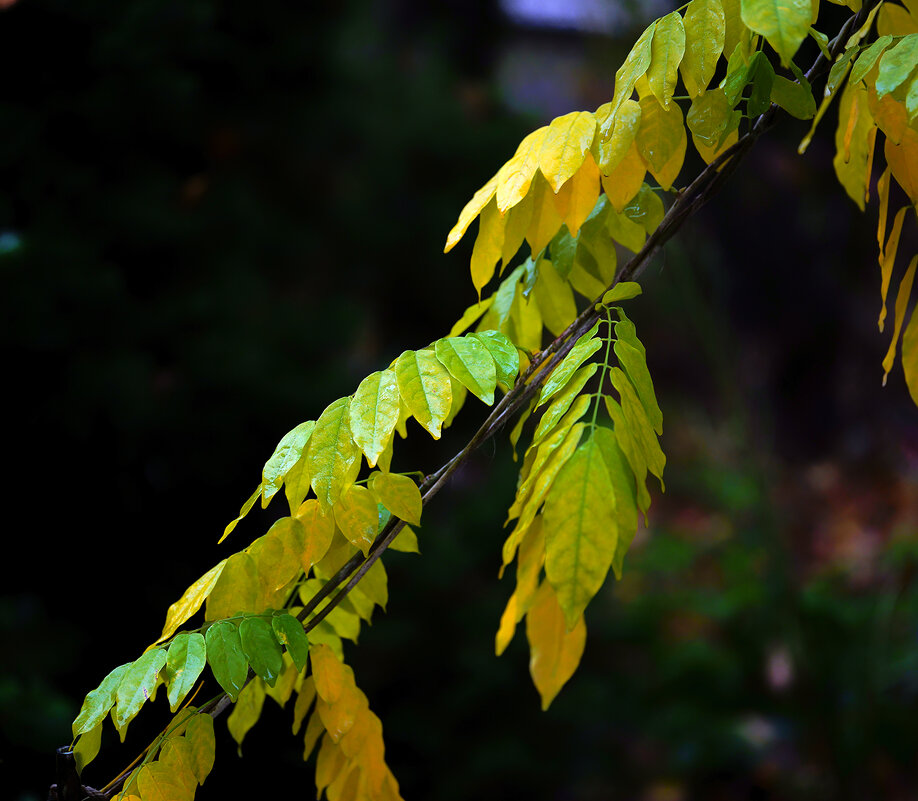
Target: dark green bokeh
{"points": [[221, 216]]}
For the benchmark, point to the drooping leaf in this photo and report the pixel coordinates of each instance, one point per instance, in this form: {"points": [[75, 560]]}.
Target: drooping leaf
{"points": [[423, 383], [479, 200], [373, 412], [661, 140], [304, 701], [563, 400], [331, 675], [905, 290], [246, 508], [177, 757], [489, 245], [704, 42], [888, 260], [470, 363], [632, 450], [635, 66], [783, 23], [582, 191], [795, 97], [357, 516], [98, 702], [333, 456], [556, 649], [185, 660], [318, 530], [136, 687], [399, 494], [623, 487], [246, 712], [289, 632], [624, 182], [586, 346], [836, 76], [566, 143], [87, 747], [545, 219], [733, 25], [515, 177], [616, 134], [225, 657], [635, 365], [286, 455], [287, 680], [910, 356], [405, 541], [200, 734], [237, 588], [895, 21], [645, 209], [851, 145], [261, 648], [639, 424], [667, 49], [902, 159], [869, 57], [762, 75]]}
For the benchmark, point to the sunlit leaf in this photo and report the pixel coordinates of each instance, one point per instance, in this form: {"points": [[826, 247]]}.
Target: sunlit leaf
{"points": [[468, 318], [586, 346], [667, 48], [158, 782], [545, 220], [225, 657], [624, 182], [136, 687], [236, 590], [333, 456], [98, 702], [424, 386], [470, 363], [563, 400], [399, 494], [616, 134], [783, 23], [488, 246], [624, 290], [185, 660], [635, 366], [634, 67], [505, 355], [515, 177], [556, 650], [318, 530], [470, 212], [87, 747], [331, 675], [357, 516], [373, 412], [704, 42], [286, 455], [246, 508]]}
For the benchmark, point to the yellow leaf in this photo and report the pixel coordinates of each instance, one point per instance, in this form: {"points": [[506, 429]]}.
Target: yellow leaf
{"points": [[624, 182], [424, 386], [314, 730], [515, 228], [333, 457], [733, 25], [616, 134], [157, 782], [567, 141], [303, 703], [555, 298], [332, 676], [319, 528], [399, 494], [903, 162], [584, 191], [555, 651], [888, 112], [515, 177], [667, 50], [895, 21], [708, 154], [277, 553], [545, 220], [905, 289], [470, 212], [374, 413], [488, 245], [329, 764], [236, 589], [851, 142], [181, 611], [661, 140], [338, 718], [888, 260], [910, 356], [507, 627], [704, 42], [246, 508], [357, 516]]}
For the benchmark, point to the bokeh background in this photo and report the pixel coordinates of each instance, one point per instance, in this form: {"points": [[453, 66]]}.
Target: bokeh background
{"points": [[218, 216]]}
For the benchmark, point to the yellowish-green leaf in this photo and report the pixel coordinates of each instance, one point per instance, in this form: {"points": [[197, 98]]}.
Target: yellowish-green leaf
{"points": [[469, 316], [704, 42], [527, 322], [98, 702], [661, 140], [505, 355], [277, 555], [623, 487], [869, 57], [586, 346], [515, 177], [851, 142], [709, 117], [563, 400], [479, 200], [836, 76], [624, 290], [635, 365], [246, 508], [236, 590], [318, 530], [87, 747], [488, 246], [289, 678], [333, 456], [200, 734], [639, 424], [285, 456], [424, 386], [470, 363], [185, 660], [667, 49], [783, 23], [374, 411], [616, 135], [586, 284], [635, 66], [357, 516], [136, 687], [887, 261], [177, 757], [225, 657], [555, 298], [733, 25], [304, 700], [185, 607], [580, 530], [247, 711], [157, 781], [910, 356], [405, 541], [399, 494], [905, 290], [555, 649], [795, 97], [632, 450]]}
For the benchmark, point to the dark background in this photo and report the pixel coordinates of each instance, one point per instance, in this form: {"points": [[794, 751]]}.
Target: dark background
{"points": [[217, 217]]}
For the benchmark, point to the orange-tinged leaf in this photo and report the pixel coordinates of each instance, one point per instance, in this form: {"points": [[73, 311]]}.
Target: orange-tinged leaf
{"points": [[555, 650], [883, 192], [318, 528], [332, 676], [372, 753], [424, 386], [374, 413], [339, 717], [488, 245], [584, 191], [357, 516], [333, 456], [277, 553], [851, 142], [667, 49], [545, 220], [910, 356], [889, 113], [399, 494], [888, 260], [895, 21], [625, 181], [329, 764], [236, 589], [314, 730], [472, 209], [905, 290], [515, 177], [902, 159]]}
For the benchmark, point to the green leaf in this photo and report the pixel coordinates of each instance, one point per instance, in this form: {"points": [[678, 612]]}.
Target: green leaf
{"points": [[285, 456], [783, 23], [98, 702], [586, 346], [423, 383], [555, 298], [822, 41], [333, 456], [563, 400], [470, 363], [185, 660], [580, 530], [137, 686], [289, 631], [623, 290], [632, 451], [399, 494], [225, 657], [704, 42], [645, 209], [636, 64], [897, 64], [261, 648], [762, 75], [666, 51], [246, 712], [503, 351], [796, 98], [869, 57], [635, 365], [563, 248], [374, 413], [836, 75], [623, 487]]}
